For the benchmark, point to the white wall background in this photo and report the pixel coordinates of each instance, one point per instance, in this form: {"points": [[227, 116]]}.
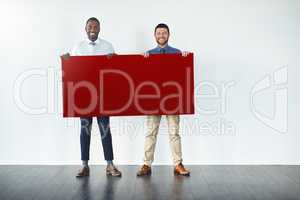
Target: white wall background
{"points": [[236, 43]]}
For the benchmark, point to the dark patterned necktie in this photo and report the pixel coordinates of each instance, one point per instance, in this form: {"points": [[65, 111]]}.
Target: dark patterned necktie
{"points": [[93, 43], [162, 51]]}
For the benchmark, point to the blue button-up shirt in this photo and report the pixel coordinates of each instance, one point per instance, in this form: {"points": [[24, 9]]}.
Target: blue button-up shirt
{"points": [[167, 49]]}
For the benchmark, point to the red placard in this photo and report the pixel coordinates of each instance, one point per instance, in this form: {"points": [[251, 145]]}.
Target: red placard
{"points": [[128, 85]]}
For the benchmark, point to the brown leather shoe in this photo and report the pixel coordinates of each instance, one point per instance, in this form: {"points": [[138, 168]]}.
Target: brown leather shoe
{"points": [[180, 170], [144, 171], [85, 171], [111, 170]]}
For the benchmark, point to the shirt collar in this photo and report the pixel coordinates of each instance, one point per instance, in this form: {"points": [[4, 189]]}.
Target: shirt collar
{"points": [[166, 47], [90, 42]]}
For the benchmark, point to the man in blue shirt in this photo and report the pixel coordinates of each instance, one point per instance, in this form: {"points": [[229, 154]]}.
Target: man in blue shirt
{"points": [[161, 34], [163, 49]]}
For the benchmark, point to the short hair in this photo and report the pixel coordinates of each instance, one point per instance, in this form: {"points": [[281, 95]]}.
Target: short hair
{"points": [[93, 19], [162, 25]]}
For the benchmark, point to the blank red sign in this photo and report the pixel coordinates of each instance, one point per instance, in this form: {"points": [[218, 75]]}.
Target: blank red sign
{"points": [[161, 84]]}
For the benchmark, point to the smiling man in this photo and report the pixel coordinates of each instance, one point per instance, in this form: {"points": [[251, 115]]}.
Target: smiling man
{"points": [[161, 34], [93, 45]]}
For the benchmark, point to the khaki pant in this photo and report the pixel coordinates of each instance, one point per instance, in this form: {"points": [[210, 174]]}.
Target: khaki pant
{"points": [[153, 122]]}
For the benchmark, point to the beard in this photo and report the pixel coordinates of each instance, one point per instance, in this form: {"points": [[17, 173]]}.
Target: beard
{"points": [[93, 36], [162, 42]]}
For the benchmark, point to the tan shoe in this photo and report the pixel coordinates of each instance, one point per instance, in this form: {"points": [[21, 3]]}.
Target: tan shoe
{"points": [[111, 170], [84, 171], [144, 171], [180, 170]]}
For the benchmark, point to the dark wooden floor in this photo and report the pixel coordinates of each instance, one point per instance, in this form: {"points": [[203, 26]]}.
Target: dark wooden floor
{"points": [[205, 182]]}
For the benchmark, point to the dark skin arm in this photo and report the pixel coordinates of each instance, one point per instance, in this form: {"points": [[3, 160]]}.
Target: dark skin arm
{"points": [[65, 56], [111, 55]]}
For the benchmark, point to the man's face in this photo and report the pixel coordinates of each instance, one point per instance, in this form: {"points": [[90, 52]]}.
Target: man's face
{"points": [[161, 36], [92, 30]]}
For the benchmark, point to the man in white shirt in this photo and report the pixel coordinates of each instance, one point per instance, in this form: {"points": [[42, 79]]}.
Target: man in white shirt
{"points": [[93, 45]]}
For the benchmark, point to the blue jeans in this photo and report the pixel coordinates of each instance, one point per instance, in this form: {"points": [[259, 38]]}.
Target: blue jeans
{"points": [[85, 137]]}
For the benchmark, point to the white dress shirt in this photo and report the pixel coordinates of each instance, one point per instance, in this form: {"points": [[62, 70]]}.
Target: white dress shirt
{"points": [[89, 48]]}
